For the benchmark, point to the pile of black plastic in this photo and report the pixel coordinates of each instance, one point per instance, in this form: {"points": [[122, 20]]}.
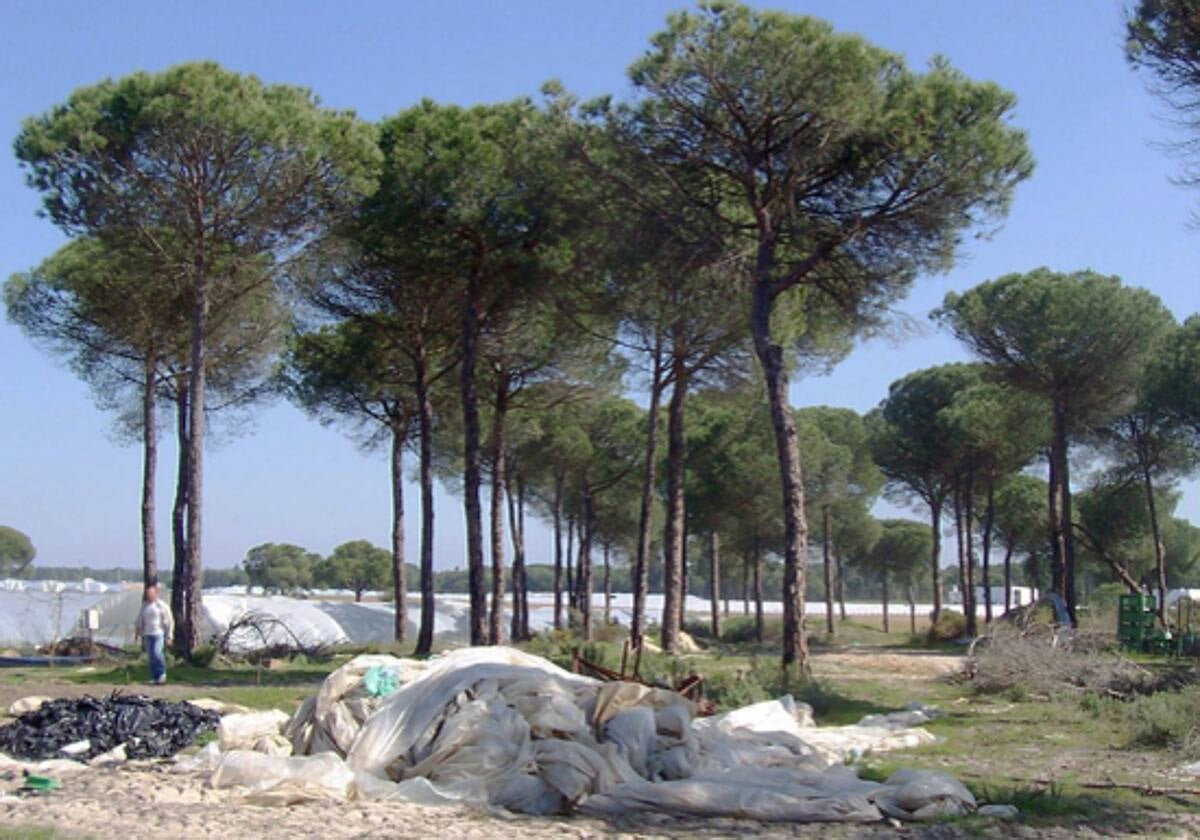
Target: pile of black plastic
{"points": [[148, 728]]}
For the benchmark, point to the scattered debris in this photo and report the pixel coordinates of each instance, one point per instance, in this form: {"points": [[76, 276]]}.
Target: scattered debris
{"points": [[147, 728], [26, 704], [259, 637]]}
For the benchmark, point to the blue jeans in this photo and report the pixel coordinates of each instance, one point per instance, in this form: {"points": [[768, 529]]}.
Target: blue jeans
{"points": [[158, 658]]}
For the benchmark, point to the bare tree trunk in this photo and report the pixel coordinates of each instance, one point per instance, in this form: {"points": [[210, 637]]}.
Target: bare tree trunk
{"points": [[830, 626], [684, 572], [570, 561], [912, 610], [585, 564], [969, 538], [1160, 552], [149, 471], [558, 552], [1063, 545], [714, 581], [188, 627], [499, 455], [1008, 553], [641, 563], [399, 585], [673, 530], [179, 591], [472, 472], [840, 586], [887, 625], [425, 429], [958, 536], [607, 585], [759, 621], [935, 522], [524, 568], [746, 587], [516, 511], [725, 586], [770, 354], [989, 520]]}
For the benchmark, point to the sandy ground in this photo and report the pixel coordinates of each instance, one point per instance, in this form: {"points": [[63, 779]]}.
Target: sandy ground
{"points": [[147, 800], [908, 664]]}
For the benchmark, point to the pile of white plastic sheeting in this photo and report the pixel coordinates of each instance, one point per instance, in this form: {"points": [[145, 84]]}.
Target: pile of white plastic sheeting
{"points": [[501, 727]]}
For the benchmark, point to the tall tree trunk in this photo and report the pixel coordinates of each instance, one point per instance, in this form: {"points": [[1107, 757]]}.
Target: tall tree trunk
{"points": [[684, 572], [515, 513], [189, 623], [887, 625], [673, 528], [1008, 553], [1063, 545], [585, 564], [179, 591], [958, 536], [149, 471], [746, 587], [641, 562], [759, 621], [524, 567], [607, 585], [840, 585], [558, 552], [714, 581], [1160, 553], [989, 521], [770, 355], [830, 626], [725, 585], [969, 540], [912, 609], [570, 561], [399, 585], [935, 524], [499, 455], [425, 429], [472, 472]]}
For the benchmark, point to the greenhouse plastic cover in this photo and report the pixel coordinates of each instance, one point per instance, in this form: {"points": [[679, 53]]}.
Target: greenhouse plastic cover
{"points": [[501, 727], [34, 613]]}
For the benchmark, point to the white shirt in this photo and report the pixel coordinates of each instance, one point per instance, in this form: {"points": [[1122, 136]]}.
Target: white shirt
{"points": [[155, 619]]}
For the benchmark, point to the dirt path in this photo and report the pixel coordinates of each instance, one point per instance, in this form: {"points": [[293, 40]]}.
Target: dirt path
{"points": [[900, 664]]}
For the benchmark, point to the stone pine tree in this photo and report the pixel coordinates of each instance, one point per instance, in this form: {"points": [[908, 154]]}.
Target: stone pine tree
{"points": [[1163, 41], [842, 172], [913, 442], [1152, 448], [118, 320], [16, 551], [1077, 342], [351, 373], [208, 171], [386, 269], [840, 470]]}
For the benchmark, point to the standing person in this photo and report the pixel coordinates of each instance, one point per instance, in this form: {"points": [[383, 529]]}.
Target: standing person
{"points": [[155, 625]]}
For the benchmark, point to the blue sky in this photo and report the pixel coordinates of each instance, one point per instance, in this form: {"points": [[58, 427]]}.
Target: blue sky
{"points": [[1100, 199]]}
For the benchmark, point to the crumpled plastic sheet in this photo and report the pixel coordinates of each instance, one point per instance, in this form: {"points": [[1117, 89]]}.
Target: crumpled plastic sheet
{"points": [[500, 727], [91, 726], [330, 720]]}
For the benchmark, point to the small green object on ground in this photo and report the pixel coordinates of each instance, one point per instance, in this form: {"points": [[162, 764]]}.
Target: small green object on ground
{"points": [[40, 784]]}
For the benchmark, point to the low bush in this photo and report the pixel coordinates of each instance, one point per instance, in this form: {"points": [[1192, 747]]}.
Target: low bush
{"points": [[1166, 720], [949, 627]]}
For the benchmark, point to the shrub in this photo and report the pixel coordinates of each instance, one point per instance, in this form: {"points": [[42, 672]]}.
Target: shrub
{"points": [[949, 626], [203, 656], [1167, 720]]}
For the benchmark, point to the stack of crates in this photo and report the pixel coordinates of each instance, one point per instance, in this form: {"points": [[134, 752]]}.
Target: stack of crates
{"points": [[1136, 621]]}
